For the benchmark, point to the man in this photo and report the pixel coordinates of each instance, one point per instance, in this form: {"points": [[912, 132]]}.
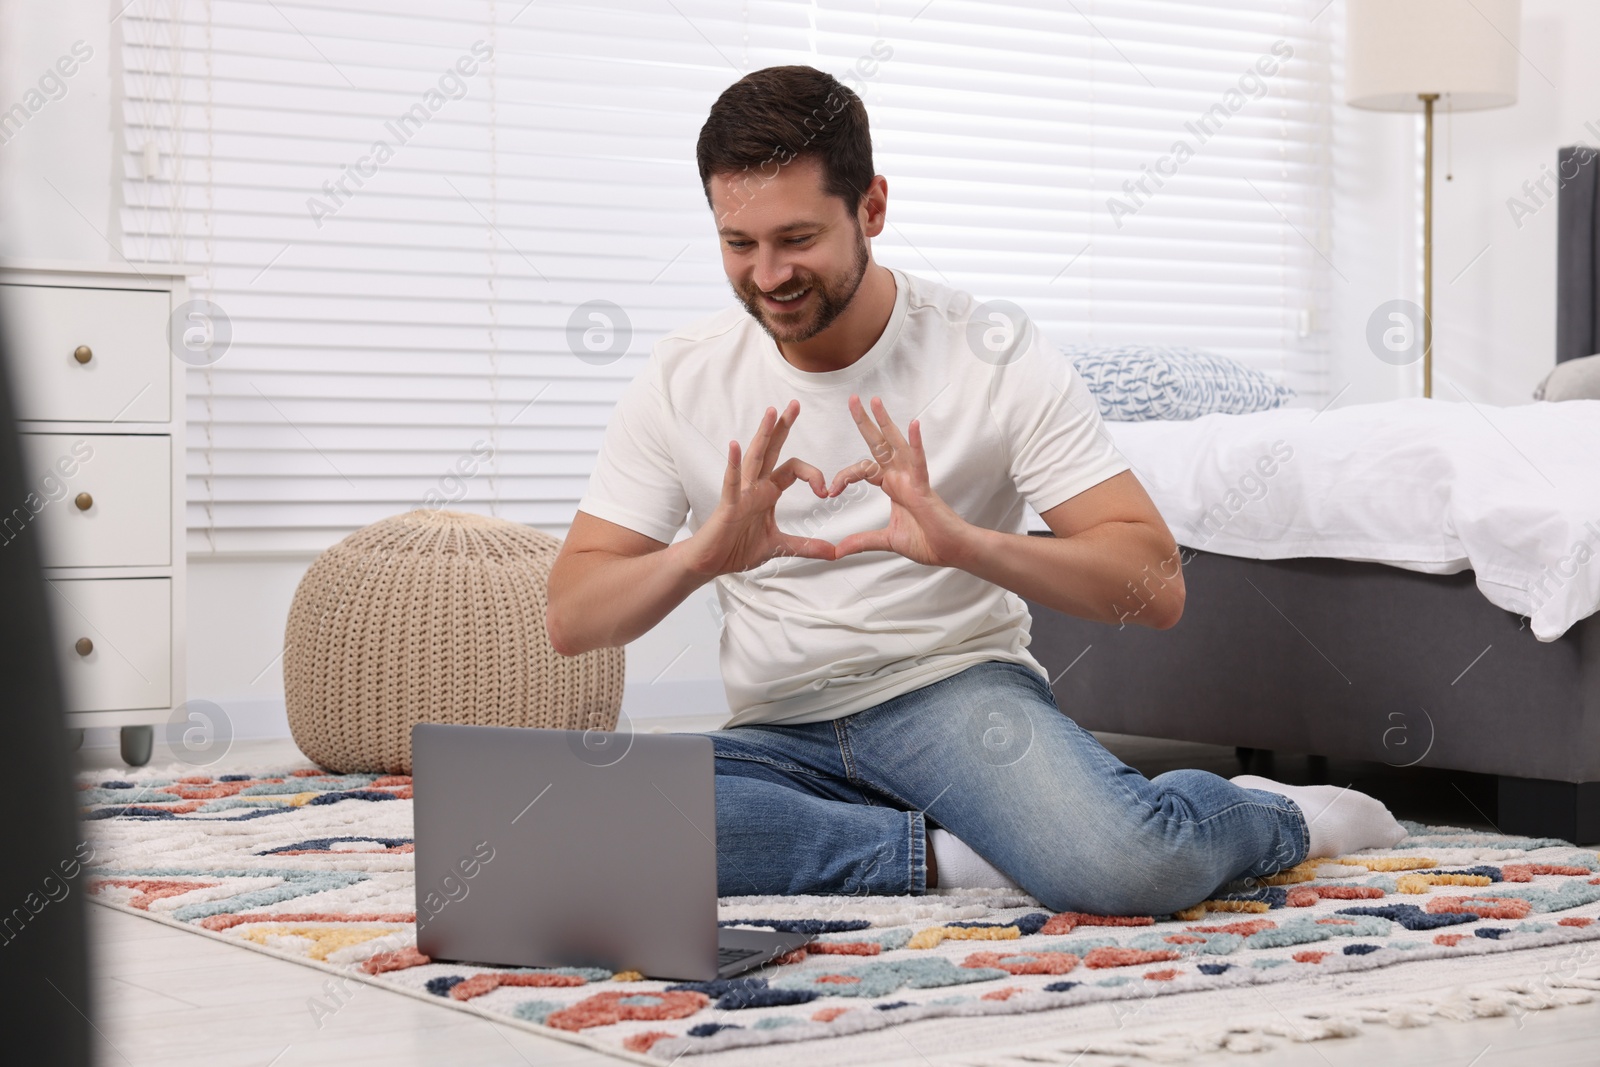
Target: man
{"points": [[890, 731]]}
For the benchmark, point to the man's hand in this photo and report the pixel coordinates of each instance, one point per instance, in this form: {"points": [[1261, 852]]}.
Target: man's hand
{"points": [[922, 527], [743, 531]]}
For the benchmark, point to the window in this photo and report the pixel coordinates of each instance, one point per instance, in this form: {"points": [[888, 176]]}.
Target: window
{"points": [[406, 211]]}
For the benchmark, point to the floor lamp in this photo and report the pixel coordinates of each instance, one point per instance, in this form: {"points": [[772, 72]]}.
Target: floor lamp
{"points": [[1406, 55]]}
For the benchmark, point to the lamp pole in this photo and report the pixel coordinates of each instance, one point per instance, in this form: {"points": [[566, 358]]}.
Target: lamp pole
{"points": [[1427, 243]]}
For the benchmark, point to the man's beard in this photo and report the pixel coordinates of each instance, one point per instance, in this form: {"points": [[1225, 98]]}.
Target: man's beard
{"points": [[832, 297]]}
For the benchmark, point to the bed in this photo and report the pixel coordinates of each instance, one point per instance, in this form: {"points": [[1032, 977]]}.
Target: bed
{"points": [[1413, 583]]}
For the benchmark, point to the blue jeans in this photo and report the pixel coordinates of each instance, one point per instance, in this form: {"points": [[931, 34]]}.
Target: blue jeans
{"points": [[844, 806]]}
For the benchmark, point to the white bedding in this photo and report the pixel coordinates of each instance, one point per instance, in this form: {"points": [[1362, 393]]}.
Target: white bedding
{"points": [[1427, 485]]}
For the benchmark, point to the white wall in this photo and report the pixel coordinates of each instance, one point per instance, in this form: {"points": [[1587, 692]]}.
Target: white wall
{"points": [[66, 144], [1374, 246], [1496, 322], [1494, 280]]}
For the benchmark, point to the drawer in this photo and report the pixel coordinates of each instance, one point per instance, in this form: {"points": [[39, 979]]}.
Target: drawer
{"points": [[127, 376], [126, 481], [127, 623]]}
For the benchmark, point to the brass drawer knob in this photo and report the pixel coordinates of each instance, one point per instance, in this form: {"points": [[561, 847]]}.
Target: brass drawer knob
{"points": [[83, 353], [84, 501], [84, 646]]}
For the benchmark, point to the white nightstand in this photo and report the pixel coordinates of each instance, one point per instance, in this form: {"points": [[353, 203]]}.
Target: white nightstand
{"points": [[99, 406]]}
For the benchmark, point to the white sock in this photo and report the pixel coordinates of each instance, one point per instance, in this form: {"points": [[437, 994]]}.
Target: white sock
{"points": [[1340, 820], [962, 868]]}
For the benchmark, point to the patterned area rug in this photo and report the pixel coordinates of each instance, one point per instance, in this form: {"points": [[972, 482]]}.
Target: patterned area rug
{"points": [[317, 868]]}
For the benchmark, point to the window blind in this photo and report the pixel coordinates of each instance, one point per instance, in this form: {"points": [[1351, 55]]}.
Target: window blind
{"points": [[406, 211]]}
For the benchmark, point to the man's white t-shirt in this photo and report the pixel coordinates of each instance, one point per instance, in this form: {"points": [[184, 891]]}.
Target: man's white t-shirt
{"points": [[812, 640]]}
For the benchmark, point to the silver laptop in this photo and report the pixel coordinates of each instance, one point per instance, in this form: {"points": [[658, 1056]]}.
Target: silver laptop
{"points": [[565, 848]]}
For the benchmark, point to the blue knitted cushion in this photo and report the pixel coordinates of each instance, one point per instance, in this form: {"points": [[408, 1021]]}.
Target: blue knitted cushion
{"points": [[1136, 383]]}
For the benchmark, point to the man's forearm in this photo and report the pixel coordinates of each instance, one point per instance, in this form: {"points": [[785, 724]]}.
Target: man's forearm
{"points": [[601, 599], [1114, 572]]}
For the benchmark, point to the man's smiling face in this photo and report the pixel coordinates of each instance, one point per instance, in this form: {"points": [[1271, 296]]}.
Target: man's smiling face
{"points": [[794, 255]]}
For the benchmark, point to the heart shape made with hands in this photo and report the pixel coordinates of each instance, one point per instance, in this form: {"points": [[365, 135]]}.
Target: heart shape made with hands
{"points": [[743, 531]]}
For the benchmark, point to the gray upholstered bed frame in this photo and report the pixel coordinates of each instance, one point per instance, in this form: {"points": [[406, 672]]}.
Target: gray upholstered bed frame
{"points": [[1360, 660], [1330, 657]]}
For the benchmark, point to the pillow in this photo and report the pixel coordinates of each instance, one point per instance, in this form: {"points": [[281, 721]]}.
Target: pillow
{"points": [[1576, 379], [1137, 383]]}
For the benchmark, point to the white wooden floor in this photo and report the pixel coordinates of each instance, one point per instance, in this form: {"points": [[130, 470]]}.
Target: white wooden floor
{"points": [[167, 998]]}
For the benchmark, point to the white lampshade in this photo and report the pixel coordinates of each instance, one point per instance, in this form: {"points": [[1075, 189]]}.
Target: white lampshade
{"points": [[1463, 49]]}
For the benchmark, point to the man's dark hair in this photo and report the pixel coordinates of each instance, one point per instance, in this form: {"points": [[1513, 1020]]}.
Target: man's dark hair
{"points": [[769, 118]]}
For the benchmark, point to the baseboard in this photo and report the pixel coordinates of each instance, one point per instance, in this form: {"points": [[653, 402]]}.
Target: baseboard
{"points": [[254, 719], [688, 705]]}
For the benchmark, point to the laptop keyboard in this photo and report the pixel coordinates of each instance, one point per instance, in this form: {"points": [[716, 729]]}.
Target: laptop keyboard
{"points": [[726, 956]]}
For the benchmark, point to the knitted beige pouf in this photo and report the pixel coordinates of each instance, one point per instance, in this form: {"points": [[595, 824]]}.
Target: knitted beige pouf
{"points": [[432, 616]]}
